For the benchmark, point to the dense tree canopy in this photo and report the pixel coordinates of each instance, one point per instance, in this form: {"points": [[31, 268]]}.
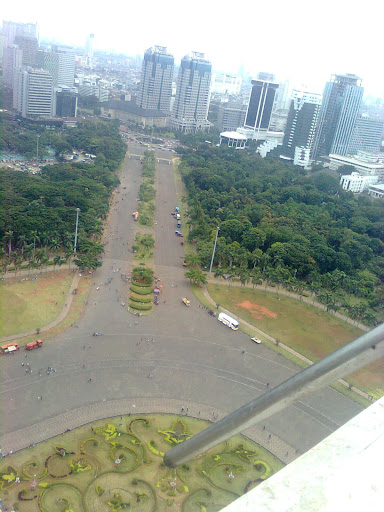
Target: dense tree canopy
{"points": [[39, 209], [273, 215]]}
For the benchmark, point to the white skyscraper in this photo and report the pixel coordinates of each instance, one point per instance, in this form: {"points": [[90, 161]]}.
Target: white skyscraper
{"points": [[33, 93], [60, 62], [190, 110]]}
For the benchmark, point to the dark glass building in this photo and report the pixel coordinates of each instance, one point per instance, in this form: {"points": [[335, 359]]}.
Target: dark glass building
{"points": [[301, 123], [260, 104]]}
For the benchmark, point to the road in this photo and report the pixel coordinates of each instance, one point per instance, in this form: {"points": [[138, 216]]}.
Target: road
{"points": [[191, 357]]}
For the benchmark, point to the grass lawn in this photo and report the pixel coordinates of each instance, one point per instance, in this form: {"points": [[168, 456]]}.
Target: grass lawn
{"points": [[309, 330], [30, 304], [119, 460]]}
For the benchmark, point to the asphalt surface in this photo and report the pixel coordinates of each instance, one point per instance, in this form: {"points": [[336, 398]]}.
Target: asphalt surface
{"points": [[177, 353]]}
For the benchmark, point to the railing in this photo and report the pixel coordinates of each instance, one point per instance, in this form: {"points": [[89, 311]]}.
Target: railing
{"points": [[346, 360]]}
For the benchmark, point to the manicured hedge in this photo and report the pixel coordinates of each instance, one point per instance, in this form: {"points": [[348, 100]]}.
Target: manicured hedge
{"points": [[140, 298], [137, 283], [141, 290], [140, 305]]}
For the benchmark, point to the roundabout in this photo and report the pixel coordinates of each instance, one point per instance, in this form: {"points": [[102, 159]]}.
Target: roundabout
{"points": [[116, 463]]}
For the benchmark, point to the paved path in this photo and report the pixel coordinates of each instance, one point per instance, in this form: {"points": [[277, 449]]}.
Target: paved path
{"points": [[193, 358], [44, 430]]}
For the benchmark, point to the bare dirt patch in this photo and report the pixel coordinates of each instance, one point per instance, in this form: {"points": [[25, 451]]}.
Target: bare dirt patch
{"points": [[257, 311]]}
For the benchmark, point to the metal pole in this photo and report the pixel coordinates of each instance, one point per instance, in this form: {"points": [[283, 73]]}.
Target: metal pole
{"points": [[351, 357], [77, 224], [214, 249], [37, 146]]}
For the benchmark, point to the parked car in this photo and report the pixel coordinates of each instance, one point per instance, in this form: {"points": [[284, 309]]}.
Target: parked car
{"points": [[255, 340]]}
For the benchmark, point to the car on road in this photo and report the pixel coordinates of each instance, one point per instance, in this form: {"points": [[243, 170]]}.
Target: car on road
{"points": [[186, 301], [255, 340]]}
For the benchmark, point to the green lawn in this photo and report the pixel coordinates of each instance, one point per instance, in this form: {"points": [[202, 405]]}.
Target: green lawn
{"points": [[139, 476], [30, 304], [309, 330]]}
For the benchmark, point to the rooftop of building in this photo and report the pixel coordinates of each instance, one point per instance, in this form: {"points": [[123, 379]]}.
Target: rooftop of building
{"points": [[360, 159], [233, 135], [378, 187]]}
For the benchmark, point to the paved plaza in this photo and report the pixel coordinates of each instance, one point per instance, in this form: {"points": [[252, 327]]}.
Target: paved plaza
{"points": [[193, 360]]}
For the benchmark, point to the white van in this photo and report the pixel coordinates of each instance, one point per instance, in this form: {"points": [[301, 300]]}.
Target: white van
{"points": [[228, 321]]}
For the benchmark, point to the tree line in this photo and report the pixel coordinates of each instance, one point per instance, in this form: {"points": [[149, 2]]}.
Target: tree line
{"points": [[38, 212], [278, 224]]}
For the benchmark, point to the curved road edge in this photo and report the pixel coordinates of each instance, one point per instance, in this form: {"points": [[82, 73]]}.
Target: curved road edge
{"points": [[51, 427], [64, 312], [281, 345]]}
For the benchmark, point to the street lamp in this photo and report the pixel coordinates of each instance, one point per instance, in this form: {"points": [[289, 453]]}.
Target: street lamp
{"points": [[214, 249], [77, 224], [37, 146]]}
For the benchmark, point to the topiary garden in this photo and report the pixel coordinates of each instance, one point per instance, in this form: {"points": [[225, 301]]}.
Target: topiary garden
{"points": [[114, 465]]}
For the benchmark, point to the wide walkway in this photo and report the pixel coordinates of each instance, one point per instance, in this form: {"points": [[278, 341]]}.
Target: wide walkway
{"points": [[44, 430], [193, 359]]}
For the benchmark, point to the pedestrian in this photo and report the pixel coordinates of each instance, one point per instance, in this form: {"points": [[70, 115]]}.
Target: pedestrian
{"points": [[22, 364], [89, 380], [267, 384], [150, 376], [182, 408], [84, 347]]}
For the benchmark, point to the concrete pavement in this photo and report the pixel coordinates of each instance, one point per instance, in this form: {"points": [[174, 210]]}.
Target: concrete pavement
{"points": [[44, 430], [193, 358]]}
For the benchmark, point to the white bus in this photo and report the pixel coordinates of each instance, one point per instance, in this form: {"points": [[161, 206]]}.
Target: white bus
{"points": [[228, 321]]}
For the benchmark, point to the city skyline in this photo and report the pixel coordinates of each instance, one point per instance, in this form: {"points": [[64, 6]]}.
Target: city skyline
{"points": [[299, 41]]}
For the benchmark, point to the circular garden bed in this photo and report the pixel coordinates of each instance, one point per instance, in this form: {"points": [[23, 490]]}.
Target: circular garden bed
{"points": [[117, 464]]}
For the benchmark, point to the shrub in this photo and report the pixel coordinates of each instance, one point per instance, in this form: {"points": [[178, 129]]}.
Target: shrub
{"points": [[141, 290], [140, 298], [139, 305]]}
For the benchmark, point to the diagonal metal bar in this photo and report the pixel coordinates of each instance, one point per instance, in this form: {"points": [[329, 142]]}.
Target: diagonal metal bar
{"points": [[346, 360]]}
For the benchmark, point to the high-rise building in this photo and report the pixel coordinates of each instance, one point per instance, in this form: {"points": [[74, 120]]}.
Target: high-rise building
{"points": [[60, 62], [29, 46], [65, 101], [230, 116], [225, 83], [19, 48], [337, 118], [12, 60], [190, 110], [33, 93], [367, 135], [89, 49], [155, 87], [301, 126], [260, 107], [11, 30]]}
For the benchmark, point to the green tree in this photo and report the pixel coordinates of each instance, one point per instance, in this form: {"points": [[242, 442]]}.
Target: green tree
{"points": [[196, 276]]}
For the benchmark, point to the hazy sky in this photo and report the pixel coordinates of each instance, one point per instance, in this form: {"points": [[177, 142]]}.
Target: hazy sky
{"points": [[302, 40]]}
